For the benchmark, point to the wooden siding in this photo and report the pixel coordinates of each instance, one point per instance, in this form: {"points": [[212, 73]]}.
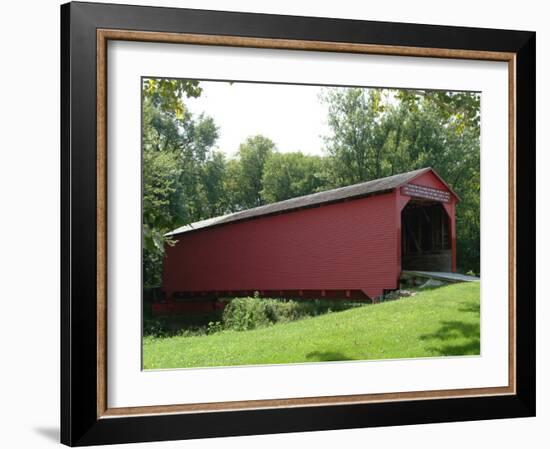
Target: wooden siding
{"points": [[342, 246]]}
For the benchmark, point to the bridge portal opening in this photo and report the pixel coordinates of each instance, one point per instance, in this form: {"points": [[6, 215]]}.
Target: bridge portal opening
{"points": [[425, 237]]}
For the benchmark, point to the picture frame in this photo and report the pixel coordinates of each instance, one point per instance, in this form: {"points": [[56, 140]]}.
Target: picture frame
{"points": [[86, 28]]}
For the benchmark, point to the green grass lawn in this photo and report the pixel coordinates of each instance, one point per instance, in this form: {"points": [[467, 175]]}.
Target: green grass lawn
{"points": [[438, 322]]}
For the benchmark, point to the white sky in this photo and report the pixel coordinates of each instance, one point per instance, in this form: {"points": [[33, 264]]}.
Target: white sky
{"points": [[292, 116]]}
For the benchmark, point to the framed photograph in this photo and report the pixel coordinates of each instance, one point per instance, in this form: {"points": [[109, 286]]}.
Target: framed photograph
{"points": [[281, 224]]}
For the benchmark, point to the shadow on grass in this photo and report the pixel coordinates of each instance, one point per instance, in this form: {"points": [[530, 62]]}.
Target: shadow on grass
{"points": [[470, 308], [451, 330], [326, 356]]}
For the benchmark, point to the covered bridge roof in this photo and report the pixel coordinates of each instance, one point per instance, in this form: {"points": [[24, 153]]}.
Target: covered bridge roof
{"points": [[328, 196]]}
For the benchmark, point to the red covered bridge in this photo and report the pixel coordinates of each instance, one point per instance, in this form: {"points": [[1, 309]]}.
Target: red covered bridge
{"points": [[350, 242]]}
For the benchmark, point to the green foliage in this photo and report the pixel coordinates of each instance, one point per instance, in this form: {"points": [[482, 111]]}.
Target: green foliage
{"points": [[213, 179], [456, 106], [214, 326], [248, 171], [167, 94], [353, 119], [442, 321], [252, 312], [245, 313], [156, 328], [183, 177], [288, 175], [181, 325], [161, 207]]}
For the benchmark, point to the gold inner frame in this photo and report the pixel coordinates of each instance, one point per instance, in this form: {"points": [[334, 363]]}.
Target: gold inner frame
{"points": [[104, 35]]}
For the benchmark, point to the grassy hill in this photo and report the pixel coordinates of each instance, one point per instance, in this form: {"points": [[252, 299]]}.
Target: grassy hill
{"points": [[438, 322]]}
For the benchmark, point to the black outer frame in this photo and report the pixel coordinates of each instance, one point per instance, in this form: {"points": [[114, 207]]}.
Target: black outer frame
{"points": [[79, 422]]}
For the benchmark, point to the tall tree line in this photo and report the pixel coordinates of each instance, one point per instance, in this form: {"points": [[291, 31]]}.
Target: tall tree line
{"points": [[373, 133]]}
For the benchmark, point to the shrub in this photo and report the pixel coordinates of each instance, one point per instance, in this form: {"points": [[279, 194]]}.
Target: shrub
{"points": [[252, 312], [174, 325], [213, 327], [245, 313], [280, 311], [156, 328]]}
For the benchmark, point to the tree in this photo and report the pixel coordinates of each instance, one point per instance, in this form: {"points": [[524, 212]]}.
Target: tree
{"points": [[198, 136], [181, 173], [167, 94], [353, 115], [288, 175], [252, 157], [160, 206], [214, 174]]}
